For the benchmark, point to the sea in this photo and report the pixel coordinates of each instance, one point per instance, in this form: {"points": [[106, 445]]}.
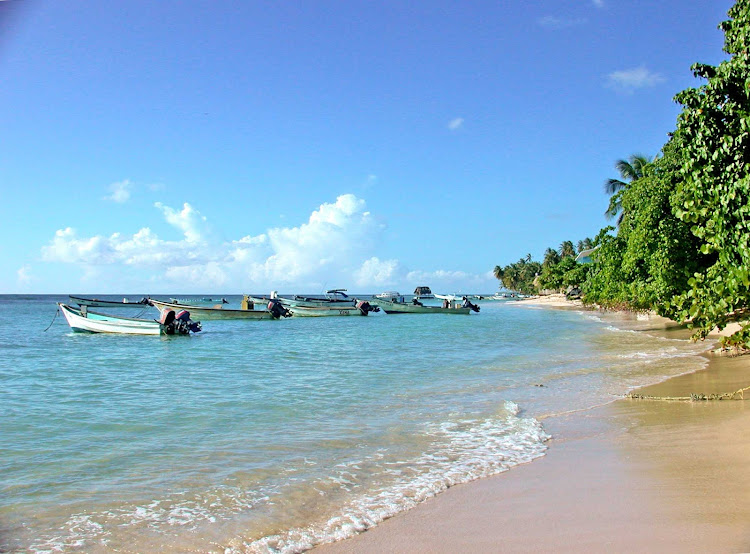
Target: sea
{"points": [[277, 436]]}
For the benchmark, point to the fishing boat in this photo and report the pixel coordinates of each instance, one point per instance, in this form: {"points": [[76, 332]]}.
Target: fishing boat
{"points": [[215, 312], [99, 303], [361, 308], [333, 297], [392, 307], [194, 301], [170, 323]]}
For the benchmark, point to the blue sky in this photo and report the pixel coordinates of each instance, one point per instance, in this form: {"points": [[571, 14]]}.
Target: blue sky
{"points": [[229, 147]]}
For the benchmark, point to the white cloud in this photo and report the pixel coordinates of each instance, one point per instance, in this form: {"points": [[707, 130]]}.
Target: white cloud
{"points": [[334, 247], [378, 273], [598, 3], [24, 275], [188, 220], [555, 22], [628, 80], [120, 192], [456, 123]]}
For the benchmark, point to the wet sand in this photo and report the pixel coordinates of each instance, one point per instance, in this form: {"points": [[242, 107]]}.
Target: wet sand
{"points": [[634, 475]]}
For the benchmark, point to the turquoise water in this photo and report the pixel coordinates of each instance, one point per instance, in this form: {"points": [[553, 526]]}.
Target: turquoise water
{"points": [[258, 436]]}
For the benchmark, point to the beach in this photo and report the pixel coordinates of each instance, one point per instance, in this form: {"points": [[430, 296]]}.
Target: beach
{"points": [[631, 475], [502, 430]]}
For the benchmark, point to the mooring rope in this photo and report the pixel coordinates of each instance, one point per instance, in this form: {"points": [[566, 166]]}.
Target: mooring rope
{"points": [[695, 397], [53, 319]]}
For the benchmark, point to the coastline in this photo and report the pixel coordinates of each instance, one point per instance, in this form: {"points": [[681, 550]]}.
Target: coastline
{"points": [[636, 474]]}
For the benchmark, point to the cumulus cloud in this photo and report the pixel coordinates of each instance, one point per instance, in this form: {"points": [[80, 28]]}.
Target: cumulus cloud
{"points": [[456, 123], [120, 192], [333, 247], [188, 220], [375, 272], [629, 80]]}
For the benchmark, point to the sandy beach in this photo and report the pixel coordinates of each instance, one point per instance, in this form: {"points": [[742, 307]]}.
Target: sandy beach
{"points": [[633, 475]]}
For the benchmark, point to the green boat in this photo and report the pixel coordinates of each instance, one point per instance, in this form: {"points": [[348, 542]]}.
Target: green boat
{"points": [[391, 307], [213, 312]]}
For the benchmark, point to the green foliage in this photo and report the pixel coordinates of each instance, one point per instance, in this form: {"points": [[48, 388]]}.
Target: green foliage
{"points": [[654, 253], [567, 249], [712, 141], [559, 275], [519, 276]]}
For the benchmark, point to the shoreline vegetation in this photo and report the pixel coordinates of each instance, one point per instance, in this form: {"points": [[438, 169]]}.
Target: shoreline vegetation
{"points": [[680, 245], [641, 473]]}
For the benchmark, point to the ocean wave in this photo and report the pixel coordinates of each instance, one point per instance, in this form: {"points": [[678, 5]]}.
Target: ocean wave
{"points": [[463, 451]]}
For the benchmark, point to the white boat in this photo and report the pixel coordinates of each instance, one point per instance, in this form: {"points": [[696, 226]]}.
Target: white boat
{"points": [[87, 321], [333, 298], [388, 294]]}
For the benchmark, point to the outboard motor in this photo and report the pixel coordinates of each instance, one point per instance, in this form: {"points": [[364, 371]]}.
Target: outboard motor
{"points": [[277, 309], [366, 307], [179, 323]]}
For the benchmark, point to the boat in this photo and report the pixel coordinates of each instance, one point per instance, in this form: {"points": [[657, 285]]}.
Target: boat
{"points": [[98, 303], [389, 294], [361, 308], [217, 311], [423, 293], [194, 301], [332, 298], [170, 323], [391, 307]]}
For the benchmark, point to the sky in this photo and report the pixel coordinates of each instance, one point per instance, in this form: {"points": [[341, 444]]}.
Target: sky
{"points": [[229, 147]]}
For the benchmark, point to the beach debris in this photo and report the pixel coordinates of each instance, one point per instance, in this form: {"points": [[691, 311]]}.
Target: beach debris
{"points": [[694, 397]]}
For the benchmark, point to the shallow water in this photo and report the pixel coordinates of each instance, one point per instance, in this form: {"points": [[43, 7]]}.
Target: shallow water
{"points": [[258, 436]]}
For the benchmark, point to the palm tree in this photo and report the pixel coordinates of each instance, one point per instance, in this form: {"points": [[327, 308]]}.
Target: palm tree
{"points": [[567, 249], [632, 169], [551, 257], [584, 244]]}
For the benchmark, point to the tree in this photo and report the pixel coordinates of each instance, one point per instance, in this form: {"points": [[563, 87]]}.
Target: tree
{"points": [[654, 253], [551, 257], [712, 140], [584, 244], [567, 249], [632, 169], [520, 275]]}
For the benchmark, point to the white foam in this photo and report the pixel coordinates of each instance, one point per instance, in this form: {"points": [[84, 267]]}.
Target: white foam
{"points": [[464, 450]]}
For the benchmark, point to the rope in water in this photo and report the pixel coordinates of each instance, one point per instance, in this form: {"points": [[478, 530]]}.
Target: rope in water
{"points": [[693, 397], [53, 319]]}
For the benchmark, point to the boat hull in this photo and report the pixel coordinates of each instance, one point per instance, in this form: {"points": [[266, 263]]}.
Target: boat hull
{"points": [[403, 308], [100, 323], [325, 311], [96, 303], [212, 313]]}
